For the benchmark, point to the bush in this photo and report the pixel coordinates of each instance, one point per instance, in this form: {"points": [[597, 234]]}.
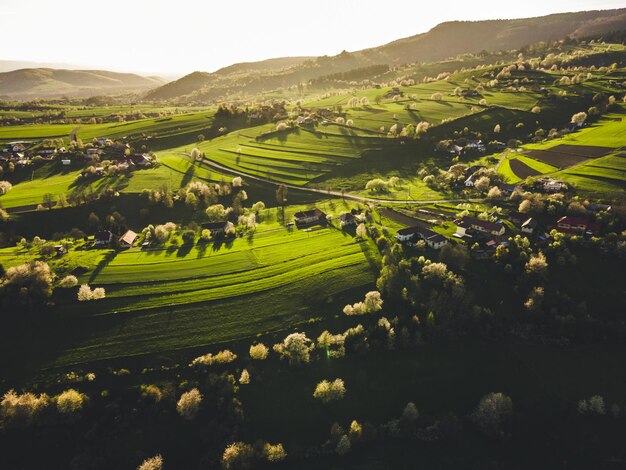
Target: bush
{"points": [[21, 410], [30, 281], [223, 357], [85, 293], [68, 282], [274, 452], [189, 404], [328, 391], [259, 352], [238, 455], [493, 414], [153, 463], [296, 348], [372, 303], [5, 187], [70, 401]]}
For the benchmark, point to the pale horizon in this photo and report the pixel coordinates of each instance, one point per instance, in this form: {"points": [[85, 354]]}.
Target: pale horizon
{"points": [[151, 38]]}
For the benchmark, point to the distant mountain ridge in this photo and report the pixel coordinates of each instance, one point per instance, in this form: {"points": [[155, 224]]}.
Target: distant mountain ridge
{"points": [[443, 41], [47, 82]]}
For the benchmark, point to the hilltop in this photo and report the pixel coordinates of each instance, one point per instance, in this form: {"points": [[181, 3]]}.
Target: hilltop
{"points": [[443, 41], [47, 82]]}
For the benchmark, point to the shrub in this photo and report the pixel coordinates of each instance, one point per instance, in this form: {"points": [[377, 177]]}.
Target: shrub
{"points": [[343, 446], [244, 379], [21, 410], [259, 352], [85, 293], [5, 187], [151, 392], [237, 181], [223, 357], [372, 304], [410, 412], [327, 391], [281, 126], [493, 414], [436, 96], [153, 463], [579, 118], [70, 401], [189, 404], [68, 282], [4, 215], [274, 452], [238, 455], [296, 348]]}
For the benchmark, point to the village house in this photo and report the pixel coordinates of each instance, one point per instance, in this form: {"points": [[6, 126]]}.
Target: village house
{"points": [[410, 235], [471, 223], [127, 240], [552, 186], [529, 225], [102, 239], [311, 217], [577, 225], [46, 152], [140, 159], [102, 141]]}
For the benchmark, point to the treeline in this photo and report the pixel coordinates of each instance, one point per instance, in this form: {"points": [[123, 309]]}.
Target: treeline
{"points": [[354, 74]]}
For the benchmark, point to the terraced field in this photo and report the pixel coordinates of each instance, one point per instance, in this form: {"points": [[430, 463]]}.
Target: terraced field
{"points": [[166, 300], [605, 175]]}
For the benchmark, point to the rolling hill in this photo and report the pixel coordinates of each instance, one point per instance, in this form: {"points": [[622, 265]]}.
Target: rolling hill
{"points": [[445, 40], [47, 82]]}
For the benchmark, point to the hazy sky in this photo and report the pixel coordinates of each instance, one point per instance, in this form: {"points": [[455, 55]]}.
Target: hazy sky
{"points": [[180, 36]]}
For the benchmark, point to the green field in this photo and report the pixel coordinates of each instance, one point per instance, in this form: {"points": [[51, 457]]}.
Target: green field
{"points": [[172, 299]]}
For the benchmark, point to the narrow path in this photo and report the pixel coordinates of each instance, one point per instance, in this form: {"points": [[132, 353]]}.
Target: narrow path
{"points": [[340, 194], [73, 134]]}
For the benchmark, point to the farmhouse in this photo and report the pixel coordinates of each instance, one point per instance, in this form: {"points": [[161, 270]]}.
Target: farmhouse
{"points": [[483, 226], [140, 159], [102, 238], [128, 239], [529, 225], [576, 225], [410, 234], [314, 216], [553, 186], [46, 152]]}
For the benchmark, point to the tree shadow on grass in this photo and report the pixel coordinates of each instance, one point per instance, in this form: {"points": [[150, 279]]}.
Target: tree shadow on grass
{"points": [[188, 176], [110, 256], [184, 250]]}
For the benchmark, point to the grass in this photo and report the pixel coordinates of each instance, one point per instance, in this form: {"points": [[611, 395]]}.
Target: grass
{"points": [[173, 299]]}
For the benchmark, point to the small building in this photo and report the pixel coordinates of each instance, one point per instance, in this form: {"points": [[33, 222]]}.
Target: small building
{"points": [[128, 239], [469, 182], [93, 152], [103, 141], [529, 225], [311, 217], [347, 219], [60, 250], [102, 239], [577, 226], [140, 159], [410, 235], [483, 226], [436, 241], [66, 162], [217, 229], [553, 186], [46, 152]]}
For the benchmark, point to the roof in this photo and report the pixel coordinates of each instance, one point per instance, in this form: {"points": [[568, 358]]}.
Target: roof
{"points": [[103, 236], [310, 213], [214, 225], [569, 220], [426, 233], [347, 217], [436, 238], [491, 226], [530, 223], [129, 237]]}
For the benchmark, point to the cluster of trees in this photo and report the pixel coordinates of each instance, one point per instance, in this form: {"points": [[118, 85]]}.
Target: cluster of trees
{"points": [[378, 185]]}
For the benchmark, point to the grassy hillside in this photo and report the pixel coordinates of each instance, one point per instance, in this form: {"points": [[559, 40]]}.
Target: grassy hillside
{"points": [[443, 41], [46, 82]]}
